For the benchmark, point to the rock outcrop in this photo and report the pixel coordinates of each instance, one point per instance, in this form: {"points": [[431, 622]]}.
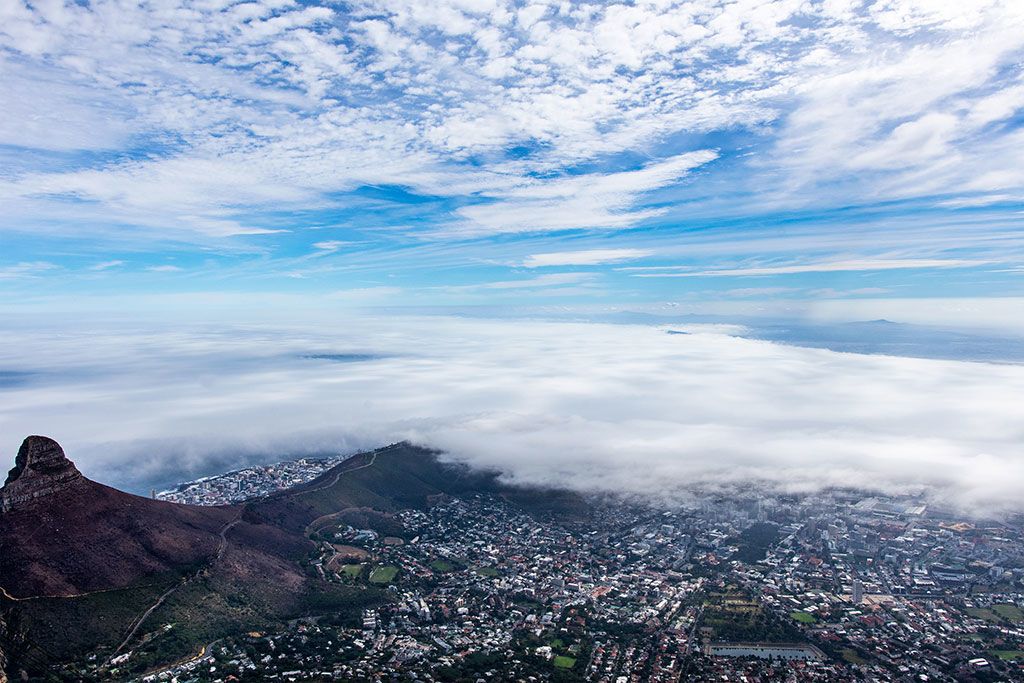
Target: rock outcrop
{"points": [[40, 469]]}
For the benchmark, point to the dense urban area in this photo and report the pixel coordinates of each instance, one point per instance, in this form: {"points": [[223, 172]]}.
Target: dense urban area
{"points": [[831, 587], [251, 482]]}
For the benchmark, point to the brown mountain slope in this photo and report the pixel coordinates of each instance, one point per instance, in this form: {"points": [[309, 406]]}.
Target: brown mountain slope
{"points": [[89, 570], [63, 534]]}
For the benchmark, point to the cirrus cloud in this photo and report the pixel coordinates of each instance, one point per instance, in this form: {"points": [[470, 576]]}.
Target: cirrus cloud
{"points": [[585, 257]]}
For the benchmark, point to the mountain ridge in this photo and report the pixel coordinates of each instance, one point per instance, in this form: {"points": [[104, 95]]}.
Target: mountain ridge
{"points": [[114, 565]]}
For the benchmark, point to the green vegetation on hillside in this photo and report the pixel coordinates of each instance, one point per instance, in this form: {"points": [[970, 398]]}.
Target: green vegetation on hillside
{"points": [[67, 627]]}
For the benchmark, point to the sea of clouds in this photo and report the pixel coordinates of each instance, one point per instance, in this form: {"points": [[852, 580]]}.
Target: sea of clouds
{"points": [[595, 407]]}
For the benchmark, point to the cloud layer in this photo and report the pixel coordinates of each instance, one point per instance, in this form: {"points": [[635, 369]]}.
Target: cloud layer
{"points": [[197, 119], [596, 407]]}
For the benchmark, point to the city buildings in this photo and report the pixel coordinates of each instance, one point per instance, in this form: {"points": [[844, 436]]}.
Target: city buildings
{"points": [[831, 587]]}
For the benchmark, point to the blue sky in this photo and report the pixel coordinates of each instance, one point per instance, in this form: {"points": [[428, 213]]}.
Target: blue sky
{"points": [[720, 156]]}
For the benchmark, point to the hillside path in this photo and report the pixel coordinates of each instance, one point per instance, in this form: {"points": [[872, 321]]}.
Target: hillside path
{"points": [[170, 591], [337, 477], [220, 553]]}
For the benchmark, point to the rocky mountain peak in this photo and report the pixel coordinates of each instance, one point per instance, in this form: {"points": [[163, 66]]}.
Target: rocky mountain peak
{"points": [[40, 469]]}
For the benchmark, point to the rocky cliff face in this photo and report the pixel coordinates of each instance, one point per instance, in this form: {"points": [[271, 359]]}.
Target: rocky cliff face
{"points": [[3, 655], [40, 469]]}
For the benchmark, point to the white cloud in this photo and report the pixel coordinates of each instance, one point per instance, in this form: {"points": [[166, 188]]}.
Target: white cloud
{"points": [[75, 120], [584, 257], [980, 200], [827, 267], [204, 119], [26, 269], [594, 200], [744, 292], [105, 265], [881, 122], [913, 15], [536, 282], [831, 293], [164, 269], [366, 295], [330, 245], [596, 407]]}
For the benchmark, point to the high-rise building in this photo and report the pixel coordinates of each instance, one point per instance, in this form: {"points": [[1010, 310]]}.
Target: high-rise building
{"points": [[858, 591]]}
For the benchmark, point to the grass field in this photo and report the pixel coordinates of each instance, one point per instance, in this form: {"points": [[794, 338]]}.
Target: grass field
{"points": [[803, 617], [983, 613], [489, 572], [1008, 655], [851, 656], [997, 614], [442, 566], [563, 662], [1011, 612], [352, 570], [383, 574]]}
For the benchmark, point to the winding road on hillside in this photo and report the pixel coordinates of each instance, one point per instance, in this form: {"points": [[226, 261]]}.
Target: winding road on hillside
{"points": [[311, 527], [170, 591], [67, 596], [337, 477]]}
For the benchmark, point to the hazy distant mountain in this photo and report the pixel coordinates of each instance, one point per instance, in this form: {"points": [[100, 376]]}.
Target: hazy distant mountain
{"points": [[895, 339]]}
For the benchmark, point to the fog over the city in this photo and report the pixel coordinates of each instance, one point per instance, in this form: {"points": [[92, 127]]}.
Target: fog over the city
{"points": [[596, 407]]}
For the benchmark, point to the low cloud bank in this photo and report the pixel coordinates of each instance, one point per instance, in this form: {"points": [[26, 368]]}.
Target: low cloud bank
{"points": [[596, 407]]}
